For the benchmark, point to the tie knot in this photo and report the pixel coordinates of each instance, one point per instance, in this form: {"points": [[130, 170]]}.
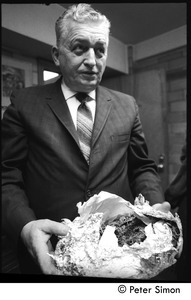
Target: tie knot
{"points": [[83, 97]]}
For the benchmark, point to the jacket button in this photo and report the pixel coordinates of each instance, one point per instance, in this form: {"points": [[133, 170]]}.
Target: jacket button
{"points": [[88, 193]]}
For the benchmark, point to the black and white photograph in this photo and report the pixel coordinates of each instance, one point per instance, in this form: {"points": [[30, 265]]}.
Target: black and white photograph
{"points": [[95, 137]]}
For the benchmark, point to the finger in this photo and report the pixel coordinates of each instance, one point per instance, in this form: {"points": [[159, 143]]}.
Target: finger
{"points": [[52, 227], [157, 206], [45, 262], [36, 235], [50, 248], [47, 265], [164, 206]]}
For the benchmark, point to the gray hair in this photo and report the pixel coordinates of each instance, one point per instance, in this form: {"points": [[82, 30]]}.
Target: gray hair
{"points": [[80, 13]]}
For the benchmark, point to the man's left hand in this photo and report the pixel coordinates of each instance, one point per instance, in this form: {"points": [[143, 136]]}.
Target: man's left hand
{"points": [[164, 206]]}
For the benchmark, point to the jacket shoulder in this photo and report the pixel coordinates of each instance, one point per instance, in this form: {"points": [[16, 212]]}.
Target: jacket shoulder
{"points": [[120, 98], [117, 94], [33, 89], [34, 93]]}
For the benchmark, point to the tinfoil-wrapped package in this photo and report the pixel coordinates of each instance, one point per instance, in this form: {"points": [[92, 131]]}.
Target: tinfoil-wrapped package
{"points": [[112, 238]]}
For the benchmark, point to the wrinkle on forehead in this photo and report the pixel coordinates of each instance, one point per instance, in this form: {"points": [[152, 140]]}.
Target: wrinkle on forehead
{"points": [[90, 31]]}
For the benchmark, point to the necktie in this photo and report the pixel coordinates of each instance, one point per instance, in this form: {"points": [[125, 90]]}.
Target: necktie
{"points": [[84, 125]]}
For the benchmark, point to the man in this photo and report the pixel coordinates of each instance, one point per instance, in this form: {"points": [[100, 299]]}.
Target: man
{"points": [[47, 167]]}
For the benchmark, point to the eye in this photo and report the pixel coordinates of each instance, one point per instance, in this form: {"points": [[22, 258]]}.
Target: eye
{"points": [[100, 51], [79, 49]]}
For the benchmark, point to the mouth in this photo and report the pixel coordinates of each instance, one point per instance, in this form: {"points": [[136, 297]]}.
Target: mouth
{"points": [[89, 73]]}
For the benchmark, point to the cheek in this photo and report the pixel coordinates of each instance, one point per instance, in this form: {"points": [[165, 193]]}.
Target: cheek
{"points": [[102, 65], [72, 64], [67, 66]]}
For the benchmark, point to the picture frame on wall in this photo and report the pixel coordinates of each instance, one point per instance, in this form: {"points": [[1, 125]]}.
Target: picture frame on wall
{"points": [[16, 74]]}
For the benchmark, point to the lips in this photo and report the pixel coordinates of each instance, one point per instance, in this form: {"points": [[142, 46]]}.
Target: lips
{"points": [[89, 73]]}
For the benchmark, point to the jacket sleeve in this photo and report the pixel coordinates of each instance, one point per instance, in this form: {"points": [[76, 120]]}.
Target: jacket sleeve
{"points": [[15, 205], [142, 171]]}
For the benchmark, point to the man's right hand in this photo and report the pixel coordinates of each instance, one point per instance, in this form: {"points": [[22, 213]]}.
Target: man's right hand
{"points": [[36, 237]]}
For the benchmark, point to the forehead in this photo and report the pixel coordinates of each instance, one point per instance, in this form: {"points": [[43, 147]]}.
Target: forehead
{"points": [[93, 32]]}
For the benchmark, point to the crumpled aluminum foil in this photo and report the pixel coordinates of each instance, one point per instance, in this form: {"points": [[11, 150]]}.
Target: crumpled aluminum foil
{"points": [[83, 253]]}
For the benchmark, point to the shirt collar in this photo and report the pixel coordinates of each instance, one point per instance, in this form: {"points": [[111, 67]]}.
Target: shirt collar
{"points": [[68, 93]]}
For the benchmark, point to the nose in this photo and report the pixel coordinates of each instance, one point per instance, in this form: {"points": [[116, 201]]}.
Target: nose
{"points": [[90, 59]]}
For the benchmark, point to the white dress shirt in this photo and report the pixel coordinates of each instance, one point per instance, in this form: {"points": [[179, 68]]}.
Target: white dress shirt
{"points": [[73, 103]]}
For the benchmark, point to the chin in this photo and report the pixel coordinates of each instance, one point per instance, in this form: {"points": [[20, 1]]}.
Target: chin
{"points": [[88, 86]]}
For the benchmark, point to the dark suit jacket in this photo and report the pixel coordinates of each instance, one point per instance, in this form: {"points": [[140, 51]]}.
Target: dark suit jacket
{"points": [[44, 172]]}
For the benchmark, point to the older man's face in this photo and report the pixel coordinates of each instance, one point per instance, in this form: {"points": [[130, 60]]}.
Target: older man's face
{"points": [[82, 56]]}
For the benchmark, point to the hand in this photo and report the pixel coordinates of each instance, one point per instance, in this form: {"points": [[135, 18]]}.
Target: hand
{"points": [[164, 206], [36, 237]]}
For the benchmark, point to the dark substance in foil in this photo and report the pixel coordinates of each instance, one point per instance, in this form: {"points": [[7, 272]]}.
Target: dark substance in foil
{"points": [[129, 229]]}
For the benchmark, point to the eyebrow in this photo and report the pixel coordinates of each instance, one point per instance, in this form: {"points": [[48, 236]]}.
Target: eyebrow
{"points": [[83, 40]]}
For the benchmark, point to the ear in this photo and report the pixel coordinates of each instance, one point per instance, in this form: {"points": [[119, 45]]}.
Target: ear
{"points": [[55, 55]]}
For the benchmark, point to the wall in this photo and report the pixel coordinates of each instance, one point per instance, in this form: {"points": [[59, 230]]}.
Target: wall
{"points": [[162, 43], [173, 64], [32, 20], [20, 18]]}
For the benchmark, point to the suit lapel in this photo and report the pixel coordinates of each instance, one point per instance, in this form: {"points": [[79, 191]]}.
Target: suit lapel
{"points": [[103, 108], [57, 103]]}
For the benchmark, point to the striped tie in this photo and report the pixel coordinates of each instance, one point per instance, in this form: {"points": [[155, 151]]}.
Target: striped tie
{"points": [[84, 124]]}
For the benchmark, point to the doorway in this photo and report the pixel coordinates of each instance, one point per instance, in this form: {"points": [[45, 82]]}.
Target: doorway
{"points": [[176, 121], [161, 97], [150, 94]]}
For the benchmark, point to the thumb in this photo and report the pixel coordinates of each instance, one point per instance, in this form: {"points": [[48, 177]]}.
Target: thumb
{"points": [[52, 227]]}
